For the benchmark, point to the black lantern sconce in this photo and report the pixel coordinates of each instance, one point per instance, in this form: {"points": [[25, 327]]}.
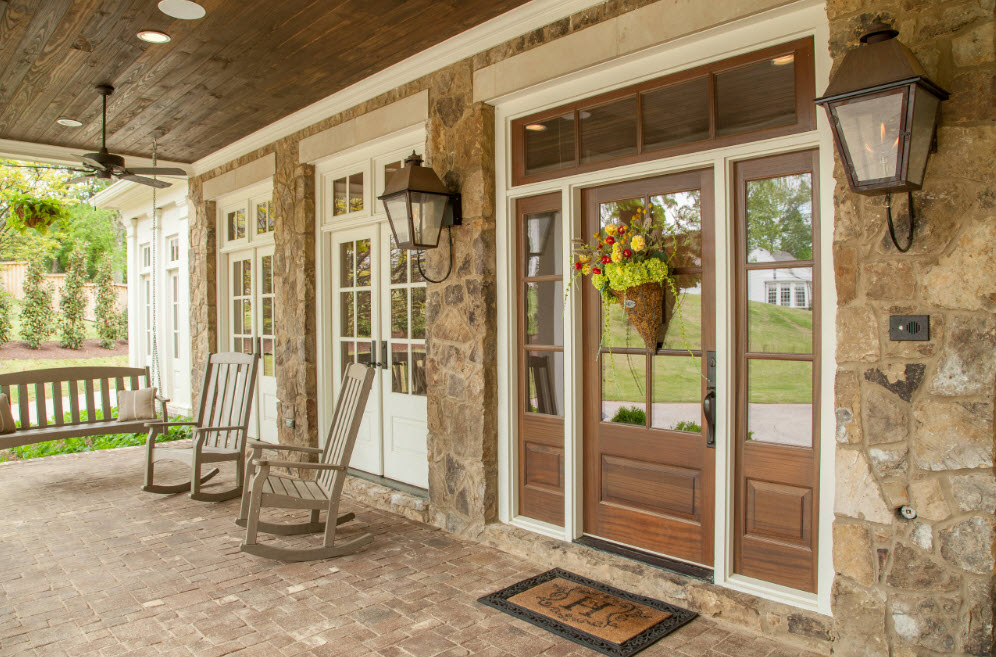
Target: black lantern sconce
{"points": [[418, 206], [883, 111]]}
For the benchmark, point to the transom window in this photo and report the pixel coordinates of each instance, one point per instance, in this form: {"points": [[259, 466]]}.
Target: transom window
{"points": [[173, 249], [759, 95], [347, 194], [264, 218], [248, 219], [146, 256]]}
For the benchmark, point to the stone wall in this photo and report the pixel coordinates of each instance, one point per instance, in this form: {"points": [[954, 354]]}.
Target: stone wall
{"points": [[915, 419]]}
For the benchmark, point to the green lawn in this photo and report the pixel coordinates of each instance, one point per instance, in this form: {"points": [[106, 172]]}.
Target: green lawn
{"points": [[678, 379]]}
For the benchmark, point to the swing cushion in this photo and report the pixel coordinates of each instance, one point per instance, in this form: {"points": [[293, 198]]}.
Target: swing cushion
{"points": [[137, 405], [6, 418]]}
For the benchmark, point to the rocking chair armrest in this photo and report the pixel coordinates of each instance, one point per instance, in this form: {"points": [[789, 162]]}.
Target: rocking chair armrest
{"points": [[162, 399], [259, 444], [294, 464], [149, 425]]}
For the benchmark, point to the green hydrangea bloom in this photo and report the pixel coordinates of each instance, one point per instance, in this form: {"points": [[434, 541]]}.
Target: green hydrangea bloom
{"points": [[626, 275]]}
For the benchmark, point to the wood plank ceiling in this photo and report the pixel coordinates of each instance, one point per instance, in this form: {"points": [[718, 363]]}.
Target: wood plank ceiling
{"points": [[245, 65]]}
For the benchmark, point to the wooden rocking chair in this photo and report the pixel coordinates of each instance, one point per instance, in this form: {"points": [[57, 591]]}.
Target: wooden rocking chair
{"points": [[220, 430], [286, 491]]}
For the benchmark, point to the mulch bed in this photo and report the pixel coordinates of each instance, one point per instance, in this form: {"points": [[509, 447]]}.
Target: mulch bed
{"points": [[18, 350]]}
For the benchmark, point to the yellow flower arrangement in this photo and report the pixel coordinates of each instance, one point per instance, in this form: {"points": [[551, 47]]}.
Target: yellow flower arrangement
{"points": [[638, 243]]}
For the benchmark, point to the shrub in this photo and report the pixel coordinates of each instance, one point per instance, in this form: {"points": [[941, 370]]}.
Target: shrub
{"points": [[6, 316], [108, 322], [73, 302], [36, 310], [630, 415], [687, 425], [123, 324]]}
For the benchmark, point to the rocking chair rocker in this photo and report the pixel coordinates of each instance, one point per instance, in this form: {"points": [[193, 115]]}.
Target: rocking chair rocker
{"points": [[219, 432], [286, 491]]}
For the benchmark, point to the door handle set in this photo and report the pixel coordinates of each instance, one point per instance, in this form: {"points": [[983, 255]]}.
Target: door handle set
{"points": [[709, 401], [383, 364]]}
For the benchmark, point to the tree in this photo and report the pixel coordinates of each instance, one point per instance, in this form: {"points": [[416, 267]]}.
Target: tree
{"points": [[73, 302], [107, 306], [36, 310], [779, 215], [6, 316]]}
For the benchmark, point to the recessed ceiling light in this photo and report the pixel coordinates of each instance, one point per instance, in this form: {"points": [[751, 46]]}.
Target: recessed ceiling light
{"points": [[69, 123], [783, 60], [182, 9], [536, 127], [154, 36]]}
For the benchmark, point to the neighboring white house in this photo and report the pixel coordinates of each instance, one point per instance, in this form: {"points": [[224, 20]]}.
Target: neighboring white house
{"points": [[791, 287], [157, 268]]}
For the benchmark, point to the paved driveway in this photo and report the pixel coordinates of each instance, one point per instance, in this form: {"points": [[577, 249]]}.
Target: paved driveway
{"points": [[94, 567]]}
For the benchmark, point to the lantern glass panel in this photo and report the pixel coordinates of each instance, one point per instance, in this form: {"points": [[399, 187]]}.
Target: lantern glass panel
{"points": [[427, 218], [397, 212], [921, 133], [870, 129]]}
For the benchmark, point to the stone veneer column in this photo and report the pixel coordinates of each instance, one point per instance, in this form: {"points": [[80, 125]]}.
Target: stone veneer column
{"points": [[202, 258], [294, 281], [915, 419], [460, 313]]}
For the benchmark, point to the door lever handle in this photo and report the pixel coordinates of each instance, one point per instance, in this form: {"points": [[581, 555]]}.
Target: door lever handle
{"points": [[709, 409]]}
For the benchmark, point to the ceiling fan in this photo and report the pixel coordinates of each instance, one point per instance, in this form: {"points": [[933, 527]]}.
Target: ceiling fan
{"points": [[104, 165]]}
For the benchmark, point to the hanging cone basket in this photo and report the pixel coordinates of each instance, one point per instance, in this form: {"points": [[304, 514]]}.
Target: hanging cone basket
{"points": [[649, 307]]}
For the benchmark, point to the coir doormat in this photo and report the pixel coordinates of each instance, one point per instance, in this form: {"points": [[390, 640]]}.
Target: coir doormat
{"points": [[589, 613]]}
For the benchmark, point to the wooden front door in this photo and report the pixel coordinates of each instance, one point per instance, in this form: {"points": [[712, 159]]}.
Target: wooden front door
{"points": [[648, 471]]}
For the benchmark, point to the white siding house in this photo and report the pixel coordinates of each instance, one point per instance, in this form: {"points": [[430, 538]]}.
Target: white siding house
{"points": [[157, 268], [791, 287]]}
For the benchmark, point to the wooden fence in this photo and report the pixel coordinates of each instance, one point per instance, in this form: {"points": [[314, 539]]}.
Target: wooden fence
{"points": [[12, 276]]}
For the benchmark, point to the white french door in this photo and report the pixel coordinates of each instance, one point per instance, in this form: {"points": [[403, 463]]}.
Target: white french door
{"points": [[378, 316], [251, 328]]}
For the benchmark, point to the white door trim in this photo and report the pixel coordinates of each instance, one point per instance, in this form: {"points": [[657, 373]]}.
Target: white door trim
{"points": [[784, 24]]}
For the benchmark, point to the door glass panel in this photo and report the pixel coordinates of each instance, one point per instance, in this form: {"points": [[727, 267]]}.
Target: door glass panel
{"points": [[346, 252], [399, 313], [348, 352], [549, 144], [399, 368], [346, 314], [677, 393], [247, 314], [418, 313], [776, 323], [544, 314], [399, 263], [682, 215], [418, 369], [619, 332], [608, 131], [364, 319], [780, 219], [340, 199], [267, 316], [268, 357], [781, 402], [756, 96], [237, 278], [264, 218], [362, 263], [237, 316], [247, 277], [684, 330], [267, 271], [364, 352], [356, 192], [417, 276], [677, 114], [543, 252], [620, 212], [544, 382], [624, 389]]}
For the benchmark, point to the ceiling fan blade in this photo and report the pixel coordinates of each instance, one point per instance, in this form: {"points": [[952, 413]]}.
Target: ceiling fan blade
{"points": [[90, 162], [160, 184], [79, 179], [158, 171]]}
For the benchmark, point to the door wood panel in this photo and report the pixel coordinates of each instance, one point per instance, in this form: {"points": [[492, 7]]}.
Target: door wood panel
{"points": [[647, 486]]}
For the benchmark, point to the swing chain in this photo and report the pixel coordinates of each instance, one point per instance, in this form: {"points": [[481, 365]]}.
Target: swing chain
{"points": [[156, 370]]}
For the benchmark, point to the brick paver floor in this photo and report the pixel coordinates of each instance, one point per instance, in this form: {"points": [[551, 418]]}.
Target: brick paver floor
{"points": [[92, 566]]}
